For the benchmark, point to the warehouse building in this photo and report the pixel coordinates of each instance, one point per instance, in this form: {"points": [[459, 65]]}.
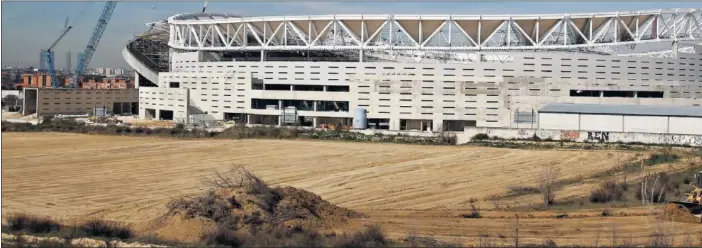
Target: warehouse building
{"points": [[48, 101], [621, 118]]}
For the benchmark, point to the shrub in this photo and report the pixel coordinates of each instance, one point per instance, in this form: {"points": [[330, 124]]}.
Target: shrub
{"points": [[106, 229], [480, 136], [49, 243], [608, 191], [474, 213], [549, 243], [660, 158], [370, 237], [223, 236], [207, 205], [523, 190], [32, 224]]}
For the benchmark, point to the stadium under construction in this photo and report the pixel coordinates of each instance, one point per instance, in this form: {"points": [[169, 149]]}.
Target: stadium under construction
{"points": [[413, 72]]}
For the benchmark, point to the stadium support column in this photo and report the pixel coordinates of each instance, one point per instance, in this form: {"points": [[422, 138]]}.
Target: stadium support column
{"points": [[315, 120], [136, 79], [675, 49], [360, 55], [280, 118], [263, 55]]}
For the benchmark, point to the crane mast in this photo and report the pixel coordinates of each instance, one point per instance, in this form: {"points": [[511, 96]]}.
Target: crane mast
{"points": [[87, 54], [50, 59]]}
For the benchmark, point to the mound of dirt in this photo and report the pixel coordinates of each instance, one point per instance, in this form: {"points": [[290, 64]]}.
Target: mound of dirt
{"points": [[674, 212], [246, 204], [178, 228]]}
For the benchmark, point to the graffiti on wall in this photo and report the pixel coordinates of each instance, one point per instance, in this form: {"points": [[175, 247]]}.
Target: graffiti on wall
{"points": [[598, 136], [592, 136], [570, 135], [679, 139], [522, 133], [547, 134]]}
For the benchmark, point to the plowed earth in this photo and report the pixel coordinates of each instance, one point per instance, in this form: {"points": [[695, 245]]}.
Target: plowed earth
{"points": [[405, 188]]}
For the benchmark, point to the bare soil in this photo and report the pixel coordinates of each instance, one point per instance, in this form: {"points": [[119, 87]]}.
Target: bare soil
{"points": [[405, 188]]}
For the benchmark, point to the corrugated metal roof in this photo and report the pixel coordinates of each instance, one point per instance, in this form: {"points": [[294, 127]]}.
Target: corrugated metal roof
{"points": [[608, 109]]}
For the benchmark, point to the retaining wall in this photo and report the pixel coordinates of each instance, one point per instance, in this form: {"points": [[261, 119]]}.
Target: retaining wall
{"points": [[583, 136]]}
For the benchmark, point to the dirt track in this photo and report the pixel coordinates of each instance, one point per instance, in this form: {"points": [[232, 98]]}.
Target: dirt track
{"points": [[130, 179]]}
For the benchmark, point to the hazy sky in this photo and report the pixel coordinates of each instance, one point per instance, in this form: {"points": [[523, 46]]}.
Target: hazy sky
{"points": [[28, 27]]}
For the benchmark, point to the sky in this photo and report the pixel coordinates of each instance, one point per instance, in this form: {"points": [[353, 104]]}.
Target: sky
{"points": [[28, 27]]}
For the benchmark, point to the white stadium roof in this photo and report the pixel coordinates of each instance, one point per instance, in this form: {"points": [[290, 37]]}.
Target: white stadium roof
{"points": [[222, 32]]}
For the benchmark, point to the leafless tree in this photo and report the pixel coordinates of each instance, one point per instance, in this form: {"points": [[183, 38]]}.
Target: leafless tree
{"points": [[516, 231], [547, 179], [687, 242], [597, 236], [643, 184], [660, 238], [614, 234]]}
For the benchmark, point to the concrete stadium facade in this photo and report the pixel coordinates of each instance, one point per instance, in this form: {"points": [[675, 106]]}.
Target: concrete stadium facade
{"points": [[416, 88]]}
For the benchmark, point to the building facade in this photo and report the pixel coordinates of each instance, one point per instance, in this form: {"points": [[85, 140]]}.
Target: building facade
{"points": [[411, 89], [49, 102]]}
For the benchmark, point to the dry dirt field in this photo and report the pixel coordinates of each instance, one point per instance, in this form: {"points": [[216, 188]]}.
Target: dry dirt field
{"points": [[420, 189]]}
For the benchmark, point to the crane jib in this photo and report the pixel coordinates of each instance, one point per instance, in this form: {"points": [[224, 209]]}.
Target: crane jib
{"points": [[93, 42]]}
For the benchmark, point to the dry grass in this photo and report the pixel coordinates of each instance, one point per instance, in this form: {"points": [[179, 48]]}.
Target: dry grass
{"points": [[414, 177], [424, 188]]}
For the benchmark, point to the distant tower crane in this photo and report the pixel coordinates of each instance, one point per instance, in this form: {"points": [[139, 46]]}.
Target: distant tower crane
{"points": [[84, 58], [49, 56]]}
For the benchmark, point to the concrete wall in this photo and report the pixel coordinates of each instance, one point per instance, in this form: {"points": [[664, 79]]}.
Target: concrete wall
{"points": [[620, 123], [582, 136], [648, 124], [80, 101], [558, 121], [17, 93], [172, 99], [686, 125], [610, 123]]}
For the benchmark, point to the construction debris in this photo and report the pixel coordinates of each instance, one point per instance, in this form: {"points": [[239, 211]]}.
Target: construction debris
{"points": [[105, 119]]}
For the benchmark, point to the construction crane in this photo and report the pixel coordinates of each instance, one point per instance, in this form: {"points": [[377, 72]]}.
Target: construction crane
{"points": [[84, 58], [49, 56]]}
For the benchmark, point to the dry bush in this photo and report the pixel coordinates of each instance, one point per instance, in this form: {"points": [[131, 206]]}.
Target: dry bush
{"points": [[659, 239], [49, 243], [607, 192], [31, 223], [223, 236], [106, 229], [474, 212], [549, 243], [547, 180], [208, 205], [522, 190], [369, 237], [17, 241], [240, 178], [418, 241]]}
